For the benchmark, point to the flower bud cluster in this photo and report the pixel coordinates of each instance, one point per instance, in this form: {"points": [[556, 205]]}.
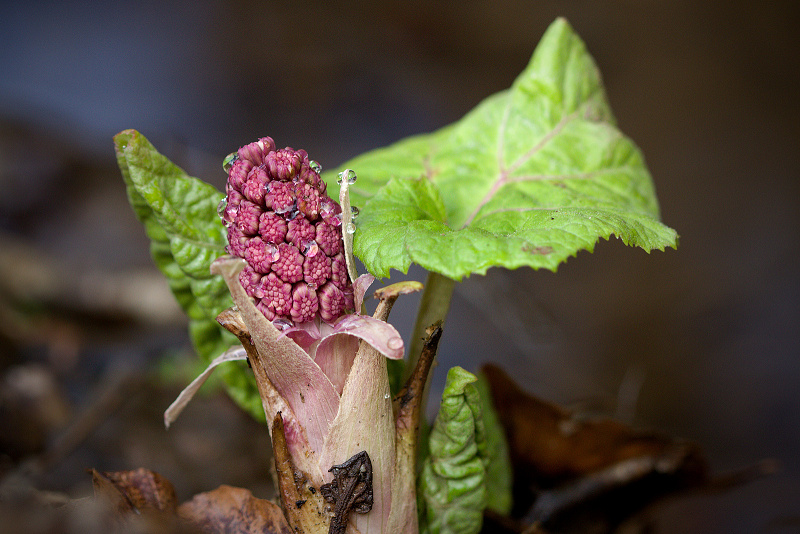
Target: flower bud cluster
{"points": [[281, 220]]}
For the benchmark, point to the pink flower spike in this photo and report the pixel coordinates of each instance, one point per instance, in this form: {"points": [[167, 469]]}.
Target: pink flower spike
{"points": [[332, 302], [300, 231], [304, 303], [247, 218], [339, 272], [277, 296], [329, 238], [272, 227], [255, 188], [289, 265], [262, 306], [310, 176], [280, 197], [308, 200], [317, 271], [255, 152], [238, 173], [251, 282], [259, 254], [330, 211], [237, 241], [283, 164]]}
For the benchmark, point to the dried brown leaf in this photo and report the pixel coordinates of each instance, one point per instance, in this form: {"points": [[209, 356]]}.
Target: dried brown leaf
{"points": [[145, 489], [229, 510], [585, 472], [552, 445]]}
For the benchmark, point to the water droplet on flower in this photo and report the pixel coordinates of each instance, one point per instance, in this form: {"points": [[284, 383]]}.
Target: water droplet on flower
{"points": [[326, 207], [315, 166], [310, 248], [350, 228], [283, 210], [355, 211], [227, 215], [350, 177], [282, 324], [334, 220], [395, 343], [229, 160], [273, 252]]}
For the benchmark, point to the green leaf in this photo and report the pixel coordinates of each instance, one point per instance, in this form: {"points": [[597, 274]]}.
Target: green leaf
{"points": [[530, 177], [452, 484], [499, 476], [179, 214]]}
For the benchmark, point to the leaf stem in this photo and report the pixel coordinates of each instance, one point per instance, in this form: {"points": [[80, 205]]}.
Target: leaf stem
{"points": [[433, 307]]}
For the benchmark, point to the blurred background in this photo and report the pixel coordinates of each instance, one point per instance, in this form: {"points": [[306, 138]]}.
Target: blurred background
{"points": [[702, 342]]}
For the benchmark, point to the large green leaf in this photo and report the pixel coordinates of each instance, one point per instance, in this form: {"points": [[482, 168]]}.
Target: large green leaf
{"points": [[530, 177], [179, 214], [452, 483]]}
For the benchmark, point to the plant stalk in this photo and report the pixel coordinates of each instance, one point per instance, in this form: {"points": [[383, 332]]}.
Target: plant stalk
{"points": [[433, 308]]}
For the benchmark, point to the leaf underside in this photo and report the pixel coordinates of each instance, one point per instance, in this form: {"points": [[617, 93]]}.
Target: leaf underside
{"points": [[530, 177]]}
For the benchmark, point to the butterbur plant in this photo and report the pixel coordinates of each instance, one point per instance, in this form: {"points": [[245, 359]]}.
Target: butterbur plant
{"points": [[266, 273]]}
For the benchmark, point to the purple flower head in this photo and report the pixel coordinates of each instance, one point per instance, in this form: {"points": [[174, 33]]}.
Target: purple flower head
{"points": [[339, 271], [257, 151], [304, 303], [311, 177], [317, 269], [238, 173], [231, 207], [329, 238], [289, 265], [300, 232], [237, 242], [272, 227], [308, 199], [277, 297], [260, 254], [247, 217], [251, 282], [282, 222], [280, 197], [284, 164], [255, 188], [331, 302], [330, 211]]}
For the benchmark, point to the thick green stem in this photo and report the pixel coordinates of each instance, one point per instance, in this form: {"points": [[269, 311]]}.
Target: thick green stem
{"points": [[433, 307]]}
